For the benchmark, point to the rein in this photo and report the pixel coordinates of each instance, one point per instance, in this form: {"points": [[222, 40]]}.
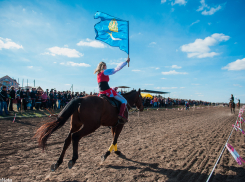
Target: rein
{"points": [[134, 110]]}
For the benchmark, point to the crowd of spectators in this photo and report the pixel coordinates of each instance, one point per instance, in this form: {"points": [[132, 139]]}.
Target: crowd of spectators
{"points": [[159, 101], [35, 99]]}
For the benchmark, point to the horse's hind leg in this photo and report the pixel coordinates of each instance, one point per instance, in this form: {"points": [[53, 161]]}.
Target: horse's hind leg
{"points": [[116, 132], [74, 127], [87, 129]]}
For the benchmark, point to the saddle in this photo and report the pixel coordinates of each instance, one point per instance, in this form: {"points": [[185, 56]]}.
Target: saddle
{"points": [[112, 101]]}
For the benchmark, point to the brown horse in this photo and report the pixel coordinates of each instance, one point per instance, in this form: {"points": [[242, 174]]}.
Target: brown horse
{"points": [[87, 115], [238, 105], [232, 106]]}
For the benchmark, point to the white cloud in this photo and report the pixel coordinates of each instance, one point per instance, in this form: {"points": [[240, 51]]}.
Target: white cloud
{"points": [[78, 64], [203, 5], [136, 70], [8, 44], [176, 67], [173, 72], [200, 48], [70, 63], [200, 95], [195, 84], [24, 9], [207, 10], [179, 2], [72, 53], [30, 67], [237, 85], [55, 62], [236, 65], [163, 1], [211, 11], [163, 78], [68, 84], [195, 22], [91, 43], [157, 68], [66, 45], [235, 43], [152, 44], [209, 23]]}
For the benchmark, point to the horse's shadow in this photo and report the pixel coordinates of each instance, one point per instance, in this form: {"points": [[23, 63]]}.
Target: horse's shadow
{"points": [[180, 175]]}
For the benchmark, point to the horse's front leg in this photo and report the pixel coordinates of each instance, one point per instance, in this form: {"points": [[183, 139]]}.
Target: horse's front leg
{"points": [[116, 132]]}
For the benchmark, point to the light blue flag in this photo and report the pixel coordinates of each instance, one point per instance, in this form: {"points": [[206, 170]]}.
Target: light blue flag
{"points": [[112, 31]]}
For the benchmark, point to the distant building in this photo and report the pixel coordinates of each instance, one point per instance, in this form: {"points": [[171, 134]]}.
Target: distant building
{"points": [[39, 88], [8, 82]]}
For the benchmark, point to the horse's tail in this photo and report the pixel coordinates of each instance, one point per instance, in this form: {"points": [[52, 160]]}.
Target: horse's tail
{"points": [[44, 132]]}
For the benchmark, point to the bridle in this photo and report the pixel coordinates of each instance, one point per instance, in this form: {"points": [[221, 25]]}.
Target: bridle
{"points": [[136, 109]]}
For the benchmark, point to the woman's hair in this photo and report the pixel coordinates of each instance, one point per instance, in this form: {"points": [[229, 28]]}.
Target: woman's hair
{"points": [[100, 67]]}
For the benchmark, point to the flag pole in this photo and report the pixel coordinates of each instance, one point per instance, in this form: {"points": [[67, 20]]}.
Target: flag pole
{"points": [[128, 42]]}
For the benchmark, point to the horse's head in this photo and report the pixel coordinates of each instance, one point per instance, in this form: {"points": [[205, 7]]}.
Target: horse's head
{"points": [[138, 101], [134, 98]]}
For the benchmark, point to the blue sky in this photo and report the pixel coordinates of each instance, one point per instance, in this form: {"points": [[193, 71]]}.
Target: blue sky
{"points": [[191, 48]]}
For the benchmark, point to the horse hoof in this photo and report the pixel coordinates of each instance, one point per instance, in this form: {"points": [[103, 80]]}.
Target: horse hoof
{"points": [[54, 167], [103, 157], [118, 152], [70, 164]]}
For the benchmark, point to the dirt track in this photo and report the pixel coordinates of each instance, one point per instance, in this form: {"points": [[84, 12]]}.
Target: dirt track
{"points": [[157, 146]]}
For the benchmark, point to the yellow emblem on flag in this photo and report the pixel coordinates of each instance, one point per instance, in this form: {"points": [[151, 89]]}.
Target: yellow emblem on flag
{"points": [[113, 26]]}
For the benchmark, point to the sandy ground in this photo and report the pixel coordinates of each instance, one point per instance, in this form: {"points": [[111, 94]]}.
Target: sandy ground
{"points": [[157, 146]]}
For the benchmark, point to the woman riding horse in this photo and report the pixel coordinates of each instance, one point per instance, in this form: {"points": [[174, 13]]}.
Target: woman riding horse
{"points": [[87, 114], [104, 88]]}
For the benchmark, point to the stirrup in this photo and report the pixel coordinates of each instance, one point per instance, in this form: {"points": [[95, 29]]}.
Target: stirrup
{"points": [[124, 120]]}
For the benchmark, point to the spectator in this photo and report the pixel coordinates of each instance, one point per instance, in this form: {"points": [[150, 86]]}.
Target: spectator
{"points": [[44, 100], [59, 99], [155, 101], [12, 97], [8, 96], [69, 96], [38, 100], [18, 102], [33, 95], [23, 97], [51, 99], [55, 99], [27, 102], [18, 92], [3, 101]]}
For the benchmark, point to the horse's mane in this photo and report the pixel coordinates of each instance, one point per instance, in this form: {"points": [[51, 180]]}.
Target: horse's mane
{"points": [[128, 93]]}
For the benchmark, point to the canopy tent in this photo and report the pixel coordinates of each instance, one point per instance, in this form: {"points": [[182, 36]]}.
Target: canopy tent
{"points": [[154, 92], [146, 95], [123, 87]]}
